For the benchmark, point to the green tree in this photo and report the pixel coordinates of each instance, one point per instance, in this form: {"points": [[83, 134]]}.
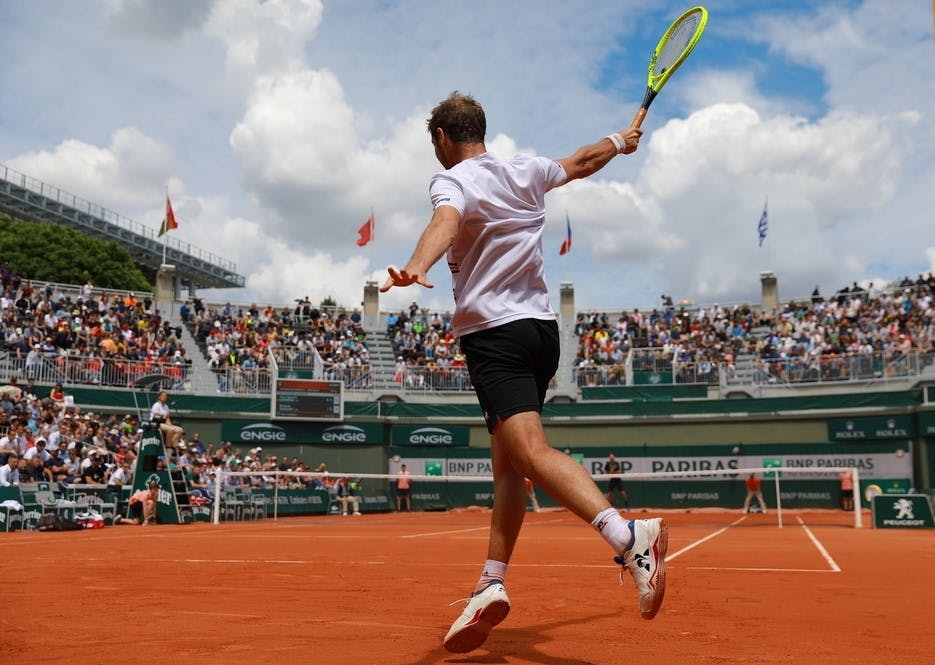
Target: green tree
{"points": [[52, 253]]}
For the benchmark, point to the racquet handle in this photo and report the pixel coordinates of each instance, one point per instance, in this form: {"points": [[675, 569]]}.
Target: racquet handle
{"points": [[638, 118]]}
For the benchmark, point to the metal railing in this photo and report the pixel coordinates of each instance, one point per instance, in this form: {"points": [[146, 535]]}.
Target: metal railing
{"points": [[77, 203], [80, 370], [832, 368]]}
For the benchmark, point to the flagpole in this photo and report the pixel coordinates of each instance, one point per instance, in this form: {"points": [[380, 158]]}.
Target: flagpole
{"points": [[165, 223], [373, 225], [769, 249], [565, 257]]}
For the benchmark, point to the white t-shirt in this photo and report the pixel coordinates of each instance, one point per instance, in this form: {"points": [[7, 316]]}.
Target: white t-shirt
{"points": [[496, 259], [159, 411]]}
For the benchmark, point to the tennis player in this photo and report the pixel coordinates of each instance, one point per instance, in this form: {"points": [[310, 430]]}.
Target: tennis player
{"points": [[488, 217]]}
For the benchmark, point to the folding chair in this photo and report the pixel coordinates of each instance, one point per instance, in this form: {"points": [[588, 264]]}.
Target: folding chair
{"points": [[259, 506], [10, 515]]}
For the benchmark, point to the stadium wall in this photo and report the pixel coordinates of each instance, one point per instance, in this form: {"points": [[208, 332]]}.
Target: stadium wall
{"points": [[363, 442]]}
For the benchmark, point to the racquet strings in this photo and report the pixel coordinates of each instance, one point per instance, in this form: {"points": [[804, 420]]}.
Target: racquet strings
{"points": [[679, 38]]}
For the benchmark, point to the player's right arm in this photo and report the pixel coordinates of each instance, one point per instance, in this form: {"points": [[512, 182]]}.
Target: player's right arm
{"points": [[590, 159], [435, 241]]}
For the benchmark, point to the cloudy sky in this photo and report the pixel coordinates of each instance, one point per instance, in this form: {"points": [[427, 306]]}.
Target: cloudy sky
{"points": [[278, 125]]}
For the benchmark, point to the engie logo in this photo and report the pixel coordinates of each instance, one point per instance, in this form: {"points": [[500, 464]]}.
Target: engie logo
{"points": [[431, 435], [263, 432], [344, 434]]}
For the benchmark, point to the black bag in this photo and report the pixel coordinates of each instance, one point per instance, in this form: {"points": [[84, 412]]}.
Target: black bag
{"points": [[55, 522]]}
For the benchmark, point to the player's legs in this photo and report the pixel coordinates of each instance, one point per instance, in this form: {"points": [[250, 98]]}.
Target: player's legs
{"points": [[746, 502], [759, 498], [509, 504], [522, 439]]}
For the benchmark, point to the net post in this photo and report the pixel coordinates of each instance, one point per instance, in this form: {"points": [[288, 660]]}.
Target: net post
{"points": [[858, 511], [276, 496], [217, 497], [778, 498]]}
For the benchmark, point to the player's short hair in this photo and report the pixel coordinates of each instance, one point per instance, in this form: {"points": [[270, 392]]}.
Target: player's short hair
{"points": [[461, 118]]}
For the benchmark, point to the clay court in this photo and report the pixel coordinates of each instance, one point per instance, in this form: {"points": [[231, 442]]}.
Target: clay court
{"points": [[376, 590]]}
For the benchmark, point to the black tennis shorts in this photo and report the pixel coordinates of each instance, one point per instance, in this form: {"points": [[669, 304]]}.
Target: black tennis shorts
{"points": [[511, 366]]}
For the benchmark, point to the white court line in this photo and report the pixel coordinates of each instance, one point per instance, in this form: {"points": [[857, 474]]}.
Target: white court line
{"points": [[764, 570], [821, 548], [705, 539], [479, 528], [445, 533]]}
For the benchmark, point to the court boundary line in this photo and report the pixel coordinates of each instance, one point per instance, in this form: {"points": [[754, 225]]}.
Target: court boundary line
{"points": [[762, 570], [698, 542], [835, 568]]}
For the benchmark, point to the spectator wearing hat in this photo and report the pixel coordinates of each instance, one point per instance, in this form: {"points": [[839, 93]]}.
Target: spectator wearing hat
{"points": [[38, 450], [95, 474]]}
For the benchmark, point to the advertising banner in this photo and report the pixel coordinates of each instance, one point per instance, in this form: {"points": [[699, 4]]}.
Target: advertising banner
{"points": [[259, 433], [871, 429]]}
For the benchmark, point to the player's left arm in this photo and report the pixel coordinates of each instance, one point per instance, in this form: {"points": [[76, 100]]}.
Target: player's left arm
{"points": [[590, 159], [435, 241]]}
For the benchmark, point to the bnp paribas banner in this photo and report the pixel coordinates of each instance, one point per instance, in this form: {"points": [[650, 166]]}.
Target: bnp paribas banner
{"points": [[431, 435], [883, 465], [302, 433], [871, 429]]}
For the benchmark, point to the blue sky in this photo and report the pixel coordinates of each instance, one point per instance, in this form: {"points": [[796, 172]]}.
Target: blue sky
{"points": [[277, 126]]}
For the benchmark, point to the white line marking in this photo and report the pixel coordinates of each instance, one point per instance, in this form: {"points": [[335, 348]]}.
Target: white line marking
{"points": [[705, 539], [479, 528], [821, 548], [765, 570], [444, 533]]}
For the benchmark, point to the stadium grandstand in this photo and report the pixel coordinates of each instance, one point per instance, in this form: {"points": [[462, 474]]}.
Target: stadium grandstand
{"points": [[838, 381]]}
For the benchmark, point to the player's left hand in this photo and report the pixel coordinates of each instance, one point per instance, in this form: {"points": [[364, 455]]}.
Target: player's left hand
{"points": [[404, 277]]}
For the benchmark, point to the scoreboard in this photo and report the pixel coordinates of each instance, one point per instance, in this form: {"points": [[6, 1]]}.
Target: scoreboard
{"points": [[307, 399]]}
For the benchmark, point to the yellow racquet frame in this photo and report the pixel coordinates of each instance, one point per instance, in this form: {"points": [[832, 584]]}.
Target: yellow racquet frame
{"points": [[655, 80]]}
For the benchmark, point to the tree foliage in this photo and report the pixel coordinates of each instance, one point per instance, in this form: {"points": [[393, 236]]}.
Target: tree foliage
{"points": [[52, 253]]}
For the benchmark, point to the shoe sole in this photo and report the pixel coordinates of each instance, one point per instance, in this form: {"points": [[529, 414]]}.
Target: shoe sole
{"points": [[475, 633], [660, 546]]}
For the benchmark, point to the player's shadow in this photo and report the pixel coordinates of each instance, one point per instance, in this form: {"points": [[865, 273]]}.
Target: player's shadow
{"points": [[516, 643]]}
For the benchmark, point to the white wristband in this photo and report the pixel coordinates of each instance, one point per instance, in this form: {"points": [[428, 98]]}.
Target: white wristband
{"points": [[617, 140]]}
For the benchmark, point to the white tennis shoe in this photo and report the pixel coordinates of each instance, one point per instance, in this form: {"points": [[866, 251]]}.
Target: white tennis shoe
{"points": [[485, 609], [646, 562]]}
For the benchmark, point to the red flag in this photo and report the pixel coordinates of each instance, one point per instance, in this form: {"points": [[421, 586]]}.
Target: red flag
{"points": [[169, 222], [566, 244], [365, 232]]}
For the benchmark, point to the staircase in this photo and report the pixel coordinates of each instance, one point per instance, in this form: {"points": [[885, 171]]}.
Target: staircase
{"points": [[382, 361], [744, 369]]}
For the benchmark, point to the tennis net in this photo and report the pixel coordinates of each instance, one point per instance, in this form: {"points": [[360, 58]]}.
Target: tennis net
{"points": [[249, 495]]}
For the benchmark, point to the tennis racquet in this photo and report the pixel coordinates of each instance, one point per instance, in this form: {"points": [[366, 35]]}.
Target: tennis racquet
{"points": [[671, 51]]}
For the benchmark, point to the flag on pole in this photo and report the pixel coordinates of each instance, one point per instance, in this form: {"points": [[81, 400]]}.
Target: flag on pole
{"points": [[366, 231], [566, 244], [169, 222], [763, 225]]}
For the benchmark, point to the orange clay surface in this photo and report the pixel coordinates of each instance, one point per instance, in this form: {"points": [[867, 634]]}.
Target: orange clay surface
{"points": [[375, 590]]}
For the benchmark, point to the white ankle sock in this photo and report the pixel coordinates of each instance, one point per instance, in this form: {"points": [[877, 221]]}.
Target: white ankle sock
{"points": [[494, 571], [614, 528]]}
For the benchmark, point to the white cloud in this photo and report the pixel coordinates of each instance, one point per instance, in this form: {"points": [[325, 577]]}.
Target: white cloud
{"points": [[276, 165], [133, 170], [264, 37]]}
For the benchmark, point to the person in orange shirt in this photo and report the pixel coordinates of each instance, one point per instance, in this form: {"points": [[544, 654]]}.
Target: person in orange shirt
{"points": [[402, 488], [847, 490], [753, 490]]}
